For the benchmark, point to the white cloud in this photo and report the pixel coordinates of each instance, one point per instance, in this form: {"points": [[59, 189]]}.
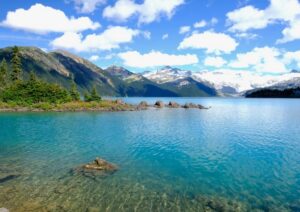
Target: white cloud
{"points": [[147, 12], [214, 61], [156, 58], [94, 58], [184, 29], [286, 12], [290, 57], [42, 19], [200, 24], [111, 38], [246, 35], [292, 32], [264, 59], [87, 6], [247, 18], [165, 36], [211, 41]]}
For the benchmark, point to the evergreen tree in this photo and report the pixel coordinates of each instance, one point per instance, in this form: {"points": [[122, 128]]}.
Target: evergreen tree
{"points": [[74, 92], [87, 97], [16, 65], [94, 95], [32, 77], [3, 73]]}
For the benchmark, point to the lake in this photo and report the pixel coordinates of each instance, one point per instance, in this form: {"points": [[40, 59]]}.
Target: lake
{"points": [[240, 155]]}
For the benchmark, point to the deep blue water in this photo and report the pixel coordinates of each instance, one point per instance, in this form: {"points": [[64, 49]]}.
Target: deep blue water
{"points": [[241, 153]]}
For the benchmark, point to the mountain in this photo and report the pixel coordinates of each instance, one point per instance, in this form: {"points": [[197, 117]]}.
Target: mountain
{"points": [[137, 85], [180, 82], [284, 89], [225, 82], [274, 93], [60, 67]]}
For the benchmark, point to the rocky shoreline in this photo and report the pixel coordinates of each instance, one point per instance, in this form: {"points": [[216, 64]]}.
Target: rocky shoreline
{"points": [[102, 106]]}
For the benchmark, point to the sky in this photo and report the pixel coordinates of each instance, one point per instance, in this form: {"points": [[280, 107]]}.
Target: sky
{"points": [[259, 36]]}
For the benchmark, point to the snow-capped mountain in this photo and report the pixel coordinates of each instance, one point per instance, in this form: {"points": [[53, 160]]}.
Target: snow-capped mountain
{"points": [[226, 82]]}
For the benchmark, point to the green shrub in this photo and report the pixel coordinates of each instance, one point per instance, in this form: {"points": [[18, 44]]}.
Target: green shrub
{"points": [[34, 91]]}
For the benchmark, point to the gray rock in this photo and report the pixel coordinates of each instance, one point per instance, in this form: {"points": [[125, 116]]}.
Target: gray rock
{"points": [[4, 210], [173, 104], [159, 104]]}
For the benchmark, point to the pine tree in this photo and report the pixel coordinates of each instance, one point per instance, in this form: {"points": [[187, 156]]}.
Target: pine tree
{"points": [[32, 77], [94, 95], [74, 92], [16, 65], [3, 73], [87, 97]]}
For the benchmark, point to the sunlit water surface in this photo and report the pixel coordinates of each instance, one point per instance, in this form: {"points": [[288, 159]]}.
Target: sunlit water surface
{"points": [[240, 155]]}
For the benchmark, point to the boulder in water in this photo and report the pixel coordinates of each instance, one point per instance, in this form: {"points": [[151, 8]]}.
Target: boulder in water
{"points": [[159, 104], [98, 167], [192, 105], [142, 105], [100, 164], [173, 105]]}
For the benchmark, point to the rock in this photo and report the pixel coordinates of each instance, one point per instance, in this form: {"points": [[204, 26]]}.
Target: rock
{"points": [[4, 210], [142, 105], [189, 105], [120, 102], [159, 104], [8, 178], [192, 105], [97, 167], [100, 164], [173, 105]]}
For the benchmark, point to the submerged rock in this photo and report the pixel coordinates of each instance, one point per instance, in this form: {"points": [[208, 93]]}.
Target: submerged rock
{"points": [[100, 164], [97, 167], [173, 104], [159, 104], [8, 178], [4, 210]]}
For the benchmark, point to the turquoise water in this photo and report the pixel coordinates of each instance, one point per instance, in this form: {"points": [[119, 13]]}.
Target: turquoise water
{"points": [[240, 155]]}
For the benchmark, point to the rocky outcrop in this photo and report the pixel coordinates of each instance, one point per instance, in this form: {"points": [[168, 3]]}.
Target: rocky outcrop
{"points": [[192, 105], [100, 164], [143, 105], [97, 167], [173, 104], [159, 104], [120, 102]]}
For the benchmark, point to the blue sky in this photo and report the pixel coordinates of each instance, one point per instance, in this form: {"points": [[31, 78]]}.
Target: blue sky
{"points": [[251, 35]]}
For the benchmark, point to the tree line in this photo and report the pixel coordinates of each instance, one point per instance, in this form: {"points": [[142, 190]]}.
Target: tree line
{"points": [[13, 88]]}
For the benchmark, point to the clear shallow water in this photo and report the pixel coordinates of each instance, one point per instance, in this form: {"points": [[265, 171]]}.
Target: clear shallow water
{"points": [[241, 155]]}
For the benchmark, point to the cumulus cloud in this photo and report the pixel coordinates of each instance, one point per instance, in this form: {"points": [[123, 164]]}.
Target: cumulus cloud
{"points": [[156, 58], [290, 57], [87, 6], [94, 58], [43, 19], [184, 29], [214, 61], [111, 38], [279, 11], [265, 59], [147, 12], [211, 41]]}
